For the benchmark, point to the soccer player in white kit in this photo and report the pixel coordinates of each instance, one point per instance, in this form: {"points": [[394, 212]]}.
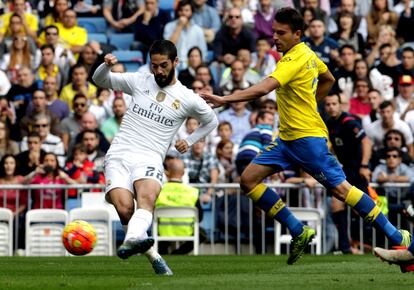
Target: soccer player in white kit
{"points": [[134, 162]]}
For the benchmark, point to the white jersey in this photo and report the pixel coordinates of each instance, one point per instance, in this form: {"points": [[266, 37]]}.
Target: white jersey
{"points": [[154, 115]]}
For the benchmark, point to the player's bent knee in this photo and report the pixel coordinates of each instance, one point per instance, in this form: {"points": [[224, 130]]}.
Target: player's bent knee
{"points": [[247, 183], [125, 213]]}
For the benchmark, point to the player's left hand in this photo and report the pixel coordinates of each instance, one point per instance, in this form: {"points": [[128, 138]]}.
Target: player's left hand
{"points": [[181, 146]]}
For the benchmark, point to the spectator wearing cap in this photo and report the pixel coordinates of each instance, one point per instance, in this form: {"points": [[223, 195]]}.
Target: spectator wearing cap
{"points": [[404, 100]]}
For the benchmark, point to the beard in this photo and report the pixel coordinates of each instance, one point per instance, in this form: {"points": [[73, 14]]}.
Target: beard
{"points": [[163, 81]]}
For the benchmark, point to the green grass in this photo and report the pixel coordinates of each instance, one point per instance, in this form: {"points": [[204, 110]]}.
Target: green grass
{"points": [[203, 272]]}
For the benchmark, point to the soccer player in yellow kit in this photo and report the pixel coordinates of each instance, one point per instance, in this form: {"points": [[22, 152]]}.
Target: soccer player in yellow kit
{"points": [[301, 79]]}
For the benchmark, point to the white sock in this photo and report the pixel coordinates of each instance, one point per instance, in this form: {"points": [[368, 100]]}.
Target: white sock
{"points": [[152, 255], [138, 224]]}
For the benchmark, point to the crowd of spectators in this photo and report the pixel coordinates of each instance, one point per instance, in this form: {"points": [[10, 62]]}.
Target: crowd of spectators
{"points": [[56, 124]]}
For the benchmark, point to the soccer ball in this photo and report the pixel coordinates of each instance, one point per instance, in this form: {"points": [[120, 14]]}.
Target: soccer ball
{"points": [[79, 237]]}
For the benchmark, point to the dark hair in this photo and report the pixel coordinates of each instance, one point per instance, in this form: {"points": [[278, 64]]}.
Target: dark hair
{"points": [[385, 104], [223, 143], [374, 90], [15, 15], [268, 102], [395, 132], [261, 114], [79, 65], [407, 48], [55, 170], [292, 18], [310, 9], [90, 131], [385, 45], [365, 80], [79, 96], [389, 149], [337, 95], [3, 160], [195, 48], [51, 27], [47, 46], [164, 47], [224, 123], [181, 4], [33, 134], [351, 47]]}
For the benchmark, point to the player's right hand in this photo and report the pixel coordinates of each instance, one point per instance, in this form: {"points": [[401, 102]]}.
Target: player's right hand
{"points": [[213, 100], [110, 59]]}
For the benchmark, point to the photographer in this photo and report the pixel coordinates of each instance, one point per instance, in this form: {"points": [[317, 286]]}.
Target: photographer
{"points": [[48, 172]]}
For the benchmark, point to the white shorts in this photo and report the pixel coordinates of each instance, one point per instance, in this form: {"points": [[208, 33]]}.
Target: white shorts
{"points": [[120, 172]]}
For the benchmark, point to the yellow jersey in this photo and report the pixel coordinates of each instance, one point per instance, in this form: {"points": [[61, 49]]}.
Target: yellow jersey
{"points": [[297, 73], [31, 21]]}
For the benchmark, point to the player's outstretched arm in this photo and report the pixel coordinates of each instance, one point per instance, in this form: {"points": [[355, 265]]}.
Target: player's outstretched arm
{"points": [[102, 75], [249, 94]]}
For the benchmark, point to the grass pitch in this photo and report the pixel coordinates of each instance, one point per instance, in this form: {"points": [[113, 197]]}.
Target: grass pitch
{"points": [[203, 272]]}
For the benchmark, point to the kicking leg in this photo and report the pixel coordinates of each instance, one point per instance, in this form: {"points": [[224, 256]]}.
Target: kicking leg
{"points": [[147, 193], [370, 212]]}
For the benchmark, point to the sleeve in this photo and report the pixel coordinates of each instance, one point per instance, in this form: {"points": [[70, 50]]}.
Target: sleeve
{"points": [[202, 44], [213, 162], [205, 115], [322, 67], [215, 20], [104, 78], [168, 30], [376, 173], [33, 22], [23, 145], [107, 4], [266, 136], [82, 37], [60, 152], [218, 44], [3, 24], [410, 173], [355, 129], [287, 68]]}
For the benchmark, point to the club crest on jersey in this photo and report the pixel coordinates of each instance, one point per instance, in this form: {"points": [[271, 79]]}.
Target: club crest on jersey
{"points": [[176, 104], [160, 97], [109, 182]]}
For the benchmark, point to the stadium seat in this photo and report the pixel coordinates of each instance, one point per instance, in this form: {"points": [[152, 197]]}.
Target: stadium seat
{"points": [[97, 200], [6, 232], [99, 37], [176, 212], [132, 59], [93, 24], [310, 215], [167, 4], [100, 219], [44, 228], [122, 41]]}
